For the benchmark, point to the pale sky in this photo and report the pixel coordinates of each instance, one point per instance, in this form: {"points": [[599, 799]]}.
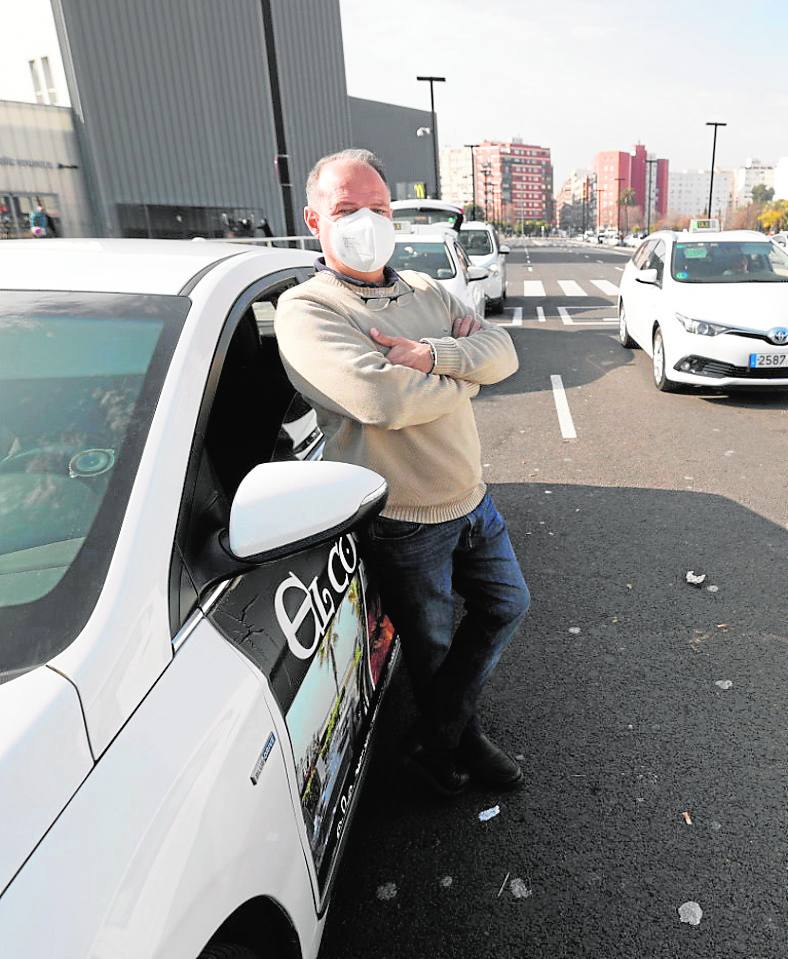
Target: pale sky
{"points": [[582, 76]]}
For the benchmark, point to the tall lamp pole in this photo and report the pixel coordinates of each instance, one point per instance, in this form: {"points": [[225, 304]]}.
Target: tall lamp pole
{"points": [[432, 81], [713, 156], [486, 171], [472, 147], [619, 181], [599, 189], [648, 195]]}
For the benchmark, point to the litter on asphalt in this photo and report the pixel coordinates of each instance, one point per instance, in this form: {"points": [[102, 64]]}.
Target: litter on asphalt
{"points": [[686, 817], [574, 630], [446, 881], [519, 889], [487, 814], [690, 912], [724, 683], [387, 891], [503, 885], [695, 579]]}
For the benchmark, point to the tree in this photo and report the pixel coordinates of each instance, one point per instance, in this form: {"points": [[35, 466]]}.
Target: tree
{"points": [[774, 216], [473, 212], [744, 218], [762, 194]]}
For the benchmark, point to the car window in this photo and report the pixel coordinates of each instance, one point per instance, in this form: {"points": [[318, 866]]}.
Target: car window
{"points": [[729, 261], [476, 242], [656, 260], [425, 257], [241, 425], [80, 376], [464, 260], [642, 253]]}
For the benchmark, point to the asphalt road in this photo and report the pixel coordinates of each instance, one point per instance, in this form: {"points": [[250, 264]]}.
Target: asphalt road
{"points": [[639, 704]]}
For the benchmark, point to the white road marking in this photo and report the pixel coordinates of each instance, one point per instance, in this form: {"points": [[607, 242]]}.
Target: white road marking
{"points": [[530, 269], [540, 314], [562, 409], [619, 268], [567, 319], [533, 288], [517, 319], [608, 288], [571, 288]]}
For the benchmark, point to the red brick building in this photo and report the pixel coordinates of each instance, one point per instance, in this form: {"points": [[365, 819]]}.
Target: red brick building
{"points": [[514, 181], [617, 171]]}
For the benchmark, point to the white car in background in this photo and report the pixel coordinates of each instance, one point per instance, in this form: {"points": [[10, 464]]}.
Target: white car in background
{"points": [[192, 652], [439, 255], [408, 214], [480, 241], [710, 308]]}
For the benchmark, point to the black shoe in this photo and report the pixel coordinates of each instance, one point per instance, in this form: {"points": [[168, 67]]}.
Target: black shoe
{"points": [[486, 762], [438, 767]]}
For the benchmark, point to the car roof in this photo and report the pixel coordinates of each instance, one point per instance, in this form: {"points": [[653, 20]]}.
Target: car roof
{"points": [[711, 236], [425, 205], [436, 236], [125, 266], [476, 225]]}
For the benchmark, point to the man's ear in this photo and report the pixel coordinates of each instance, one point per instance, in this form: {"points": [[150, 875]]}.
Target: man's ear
{"points": [[311, 220]]}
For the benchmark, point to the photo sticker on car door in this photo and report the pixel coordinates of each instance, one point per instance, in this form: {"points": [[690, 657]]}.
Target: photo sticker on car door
{"points": [[314, 625]]}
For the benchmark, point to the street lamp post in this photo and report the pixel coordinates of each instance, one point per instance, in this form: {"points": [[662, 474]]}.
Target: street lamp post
{"points": [[713, 155], [648, 196], [432, 81], [486, 171], [472, 147], [599, 189], [619, 181]]}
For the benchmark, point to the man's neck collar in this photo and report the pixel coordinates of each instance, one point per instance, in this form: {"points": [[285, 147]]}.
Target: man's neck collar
{"points": [[390, 276]]}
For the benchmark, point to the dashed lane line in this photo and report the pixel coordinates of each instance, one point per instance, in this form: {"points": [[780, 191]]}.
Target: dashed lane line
{"points": [[565, 421]]}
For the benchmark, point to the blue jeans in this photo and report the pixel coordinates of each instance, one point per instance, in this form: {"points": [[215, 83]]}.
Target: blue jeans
{"points": [[418, 566]]}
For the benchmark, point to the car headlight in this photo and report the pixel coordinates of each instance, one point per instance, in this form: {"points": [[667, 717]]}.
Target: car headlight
{"points": [[701, 327], [493, 268]]}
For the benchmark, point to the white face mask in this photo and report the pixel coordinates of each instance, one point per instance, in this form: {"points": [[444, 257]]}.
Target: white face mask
{"points": [[363, 241]]}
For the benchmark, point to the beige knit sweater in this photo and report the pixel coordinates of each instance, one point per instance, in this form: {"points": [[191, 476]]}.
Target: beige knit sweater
{"points": [[416, 429]]}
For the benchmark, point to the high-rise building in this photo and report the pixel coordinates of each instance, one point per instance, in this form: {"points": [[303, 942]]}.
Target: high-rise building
{"points": [[456, 175], [574, 203], [781, 179], [514, 181], [646, 176], [688, 193], [753, 173]]}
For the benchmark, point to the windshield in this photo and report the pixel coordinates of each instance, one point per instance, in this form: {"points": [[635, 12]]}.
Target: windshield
{"points": [[430, 258], [476, 242], [80, 374], [726, 261], [417, 216]]}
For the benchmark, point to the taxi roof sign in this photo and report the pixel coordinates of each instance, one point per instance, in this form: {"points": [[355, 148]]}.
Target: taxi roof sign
{"points": [[704, 226]]}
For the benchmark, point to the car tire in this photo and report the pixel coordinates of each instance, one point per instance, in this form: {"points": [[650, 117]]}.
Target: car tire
{"points": [[661, 381], [227, 950], [495, 306], [623, 333]]}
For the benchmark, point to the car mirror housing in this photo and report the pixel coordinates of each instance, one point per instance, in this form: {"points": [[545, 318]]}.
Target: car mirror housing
{"points": [[282, 507], [477, 273], [505, 250], [646, 276]]}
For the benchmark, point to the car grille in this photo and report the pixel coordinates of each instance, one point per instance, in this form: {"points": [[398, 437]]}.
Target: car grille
{"points": [[717, 369]]}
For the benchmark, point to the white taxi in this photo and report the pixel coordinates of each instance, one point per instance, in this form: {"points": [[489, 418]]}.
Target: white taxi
{"points": [[709, 308], [440, 255], [192, 652], [480, 241]]}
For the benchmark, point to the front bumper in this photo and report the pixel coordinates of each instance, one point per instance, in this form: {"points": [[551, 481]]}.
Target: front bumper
{"points": [[722, 360]]}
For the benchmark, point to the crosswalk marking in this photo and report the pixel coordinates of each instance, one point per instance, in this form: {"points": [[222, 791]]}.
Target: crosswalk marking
{"points": [[540, 314], [571, 288], [568, 320], [608, 288], [533, 288], [517, 319]]}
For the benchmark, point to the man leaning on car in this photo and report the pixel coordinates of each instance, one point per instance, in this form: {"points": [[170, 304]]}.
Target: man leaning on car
{"points": [[391, 363]]}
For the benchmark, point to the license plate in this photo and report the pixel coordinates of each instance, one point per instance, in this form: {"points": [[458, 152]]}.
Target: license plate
{"points": [[768, 361]]}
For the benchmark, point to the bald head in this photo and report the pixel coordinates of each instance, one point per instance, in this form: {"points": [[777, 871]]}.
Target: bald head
{"points": [[364, 157]]}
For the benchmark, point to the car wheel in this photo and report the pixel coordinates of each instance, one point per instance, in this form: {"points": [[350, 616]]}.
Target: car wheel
{"points": [[623, 334], [658, 365], [227, 950], [495, 306]]}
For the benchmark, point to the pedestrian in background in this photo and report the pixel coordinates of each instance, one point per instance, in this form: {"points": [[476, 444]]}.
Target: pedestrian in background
{"points": [[391, 363]]}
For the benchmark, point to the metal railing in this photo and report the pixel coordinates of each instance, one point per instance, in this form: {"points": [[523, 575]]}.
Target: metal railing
{"points": [[300, 242]]}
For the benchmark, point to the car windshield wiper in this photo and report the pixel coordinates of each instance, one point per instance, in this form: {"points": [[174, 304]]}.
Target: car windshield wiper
{"points": [[764, 280]]}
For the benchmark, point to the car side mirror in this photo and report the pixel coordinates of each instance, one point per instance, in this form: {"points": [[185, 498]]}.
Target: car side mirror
{"points": [[505, 250], [281, 507], [444, 273], [647, 276], [477, 273]]}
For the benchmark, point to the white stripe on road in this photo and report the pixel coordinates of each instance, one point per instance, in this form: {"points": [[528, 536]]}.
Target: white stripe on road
{"points": [[566, 319], [533, 288], [540, 314], [517, 319], [571, 288], [619, 268], [530, 269], [562, 409], [608, 288]]}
